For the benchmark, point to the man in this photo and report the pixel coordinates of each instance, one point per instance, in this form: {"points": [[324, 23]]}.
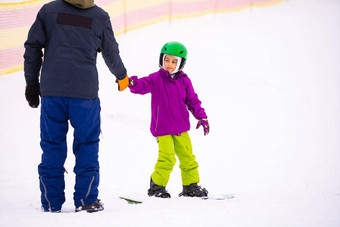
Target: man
{"points": [[71, 32]]}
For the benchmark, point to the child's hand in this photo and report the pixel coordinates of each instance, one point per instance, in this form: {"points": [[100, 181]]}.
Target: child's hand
{"points": [[133, 81], [204, 122]]}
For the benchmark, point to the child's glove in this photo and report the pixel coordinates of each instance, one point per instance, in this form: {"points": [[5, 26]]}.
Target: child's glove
{"points": [[204, 122], [133, 81], [123, 84], [32, 93]]}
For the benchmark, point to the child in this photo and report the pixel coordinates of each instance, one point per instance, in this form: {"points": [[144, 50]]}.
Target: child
{"points": [[172, 95]]}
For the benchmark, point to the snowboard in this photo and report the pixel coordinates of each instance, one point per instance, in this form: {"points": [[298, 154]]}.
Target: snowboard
{"points": [[220, 197], [132, 200]]}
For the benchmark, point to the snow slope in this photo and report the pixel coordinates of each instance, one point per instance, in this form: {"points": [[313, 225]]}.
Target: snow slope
{"points": [[269, 81]]}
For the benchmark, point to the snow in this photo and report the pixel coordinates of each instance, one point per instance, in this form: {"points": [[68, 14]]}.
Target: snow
{"points": [[269, 80]]}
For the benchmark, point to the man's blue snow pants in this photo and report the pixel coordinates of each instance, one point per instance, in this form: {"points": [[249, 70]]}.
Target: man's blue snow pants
{"points": [[84, 116]]}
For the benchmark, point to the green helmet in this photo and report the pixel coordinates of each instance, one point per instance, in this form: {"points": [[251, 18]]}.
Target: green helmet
{"points": [[174, 49]]}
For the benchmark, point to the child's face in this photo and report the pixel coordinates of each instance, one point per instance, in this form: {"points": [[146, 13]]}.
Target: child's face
{"points": [[170, 63]]}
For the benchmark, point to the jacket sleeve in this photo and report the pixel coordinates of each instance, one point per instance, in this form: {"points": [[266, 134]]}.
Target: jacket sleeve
{"points": [[141, 86], [34, 44], [110, 51], [193, 103]]}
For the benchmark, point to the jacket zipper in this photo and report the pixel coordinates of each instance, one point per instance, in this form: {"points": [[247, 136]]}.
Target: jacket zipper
{"points": [[45, 194], [157, 118]]}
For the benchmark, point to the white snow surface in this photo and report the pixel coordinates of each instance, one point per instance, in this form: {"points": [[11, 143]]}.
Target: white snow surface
{"points": [[269, 79]]}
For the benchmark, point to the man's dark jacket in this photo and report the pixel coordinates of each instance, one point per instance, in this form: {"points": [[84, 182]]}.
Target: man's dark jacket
{"points": [[71, 36]]}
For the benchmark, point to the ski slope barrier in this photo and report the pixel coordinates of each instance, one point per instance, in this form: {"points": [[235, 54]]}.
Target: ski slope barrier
{"points": [[16, 19]]}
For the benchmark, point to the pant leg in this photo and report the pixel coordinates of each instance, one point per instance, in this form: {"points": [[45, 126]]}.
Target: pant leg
{"points": [[85, 119], [54, 127], [188, 164], [166, 160]]}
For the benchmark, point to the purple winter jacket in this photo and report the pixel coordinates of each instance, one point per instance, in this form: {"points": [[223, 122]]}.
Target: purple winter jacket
{"points": [[171, 98]]}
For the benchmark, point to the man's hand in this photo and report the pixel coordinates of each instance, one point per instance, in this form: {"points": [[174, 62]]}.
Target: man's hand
{"points": [[32, 93], [123, 84]]}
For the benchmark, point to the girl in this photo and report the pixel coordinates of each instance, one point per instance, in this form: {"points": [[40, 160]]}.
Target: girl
{"points": [[172, 95]]}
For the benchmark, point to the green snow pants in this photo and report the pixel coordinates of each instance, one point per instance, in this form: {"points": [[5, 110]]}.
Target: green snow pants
{"points": [[169, 146]]}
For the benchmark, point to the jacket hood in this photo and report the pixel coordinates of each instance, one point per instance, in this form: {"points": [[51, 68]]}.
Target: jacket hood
{"points": [[83, 4]]}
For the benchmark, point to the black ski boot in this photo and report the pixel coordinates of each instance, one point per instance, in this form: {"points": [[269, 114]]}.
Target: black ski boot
{"points": [[194, 190], [92, 207], [158, 191]]}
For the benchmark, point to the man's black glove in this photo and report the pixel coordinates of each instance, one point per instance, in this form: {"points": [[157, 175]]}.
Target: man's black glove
{"points": [[32, 94]]}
